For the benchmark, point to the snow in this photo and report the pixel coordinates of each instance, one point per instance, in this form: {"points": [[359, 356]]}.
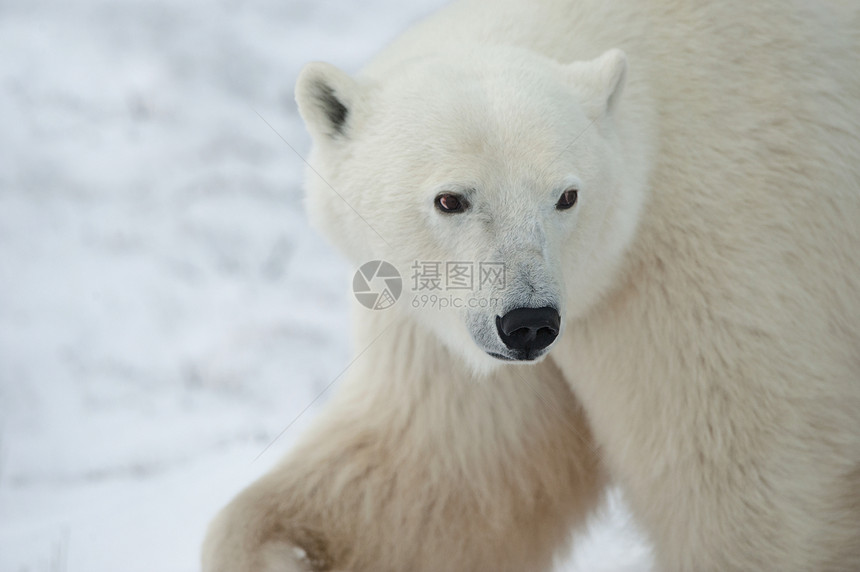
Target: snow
{"points": [[165, 310]]}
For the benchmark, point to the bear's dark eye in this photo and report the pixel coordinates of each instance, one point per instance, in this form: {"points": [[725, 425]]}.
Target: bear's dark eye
{"points": [[449, 203], [567, 200]]}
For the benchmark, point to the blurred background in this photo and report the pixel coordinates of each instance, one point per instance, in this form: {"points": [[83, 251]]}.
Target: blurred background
{"points": [[165, 310]]}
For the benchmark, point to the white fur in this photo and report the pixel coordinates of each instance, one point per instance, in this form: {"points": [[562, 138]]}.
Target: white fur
{"points": [[708, 281]]}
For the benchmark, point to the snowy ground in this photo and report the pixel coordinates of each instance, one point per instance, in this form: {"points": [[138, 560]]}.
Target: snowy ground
{"points": [[165, 310]]}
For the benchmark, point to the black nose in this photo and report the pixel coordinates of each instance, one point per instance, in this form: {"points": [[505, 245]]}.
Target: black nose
{"points": [[528, 330]]}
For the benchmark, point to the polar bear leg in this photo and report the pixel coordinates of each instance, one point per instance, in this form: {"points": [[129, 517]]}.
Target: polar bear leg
{"points": [[418, 465]]}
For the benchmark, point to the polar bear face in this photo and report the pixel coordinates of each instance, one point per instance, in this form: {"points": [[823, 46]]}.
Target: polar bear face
{"points": [[495, 158]]}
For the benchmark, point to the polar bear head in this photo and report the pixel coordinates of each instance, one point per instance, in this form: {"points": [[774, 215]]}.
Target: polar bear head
{"points": [[497, 159]]}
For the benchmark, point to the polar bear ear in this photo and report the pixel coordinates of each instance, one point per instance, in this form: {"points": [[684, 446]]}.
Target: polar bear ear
{"points": [[327, 98], [600, 81]]}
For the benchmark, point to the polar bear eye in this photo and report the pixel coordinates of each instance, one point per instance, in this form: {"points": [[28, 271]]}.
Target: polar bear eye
{"points": [[567, 200], [450, 203]]}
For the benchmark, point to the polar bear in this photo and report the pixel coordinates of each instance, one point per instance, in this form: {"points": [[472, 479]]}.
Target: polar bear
{"points": [[673, 189]]}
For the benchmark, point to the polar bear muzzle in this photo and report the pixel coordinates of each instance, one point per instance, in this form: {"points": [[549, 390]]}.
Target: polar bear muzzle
{"points": [[528, 331]]}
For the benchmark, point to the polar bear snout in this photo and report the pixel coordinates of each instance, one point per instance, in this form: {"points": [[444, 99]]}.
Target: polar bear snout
{"points": [[528, 331]]}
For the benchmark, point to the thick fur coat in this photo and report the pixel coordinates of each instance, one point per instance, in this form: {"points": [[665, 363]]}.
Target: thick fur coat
{"points": [[708, 281]]}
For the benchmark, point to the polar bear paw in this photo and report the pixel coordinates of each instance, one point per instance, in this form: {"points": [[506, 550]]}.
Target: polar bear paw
{"points": [[274, 556]]}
